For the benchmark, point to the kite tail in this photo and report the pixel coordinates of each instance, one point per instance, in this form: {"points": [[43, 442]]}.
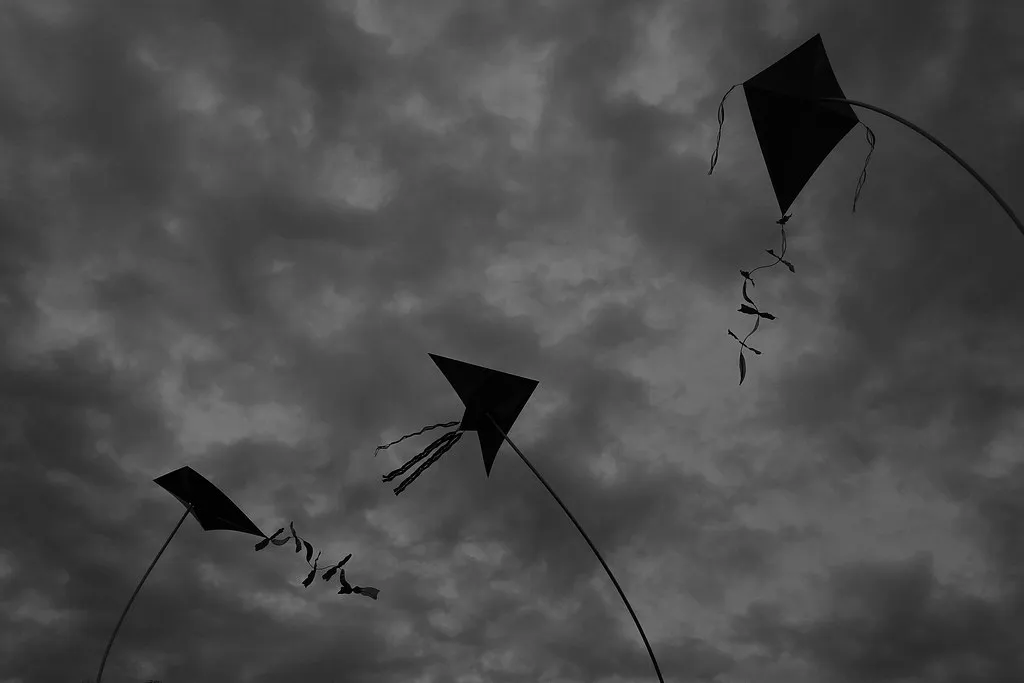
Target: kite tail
{"points": [[436, 443], [451, 438], [750, 307], [721, 122], [425, 429], [870, 135]]}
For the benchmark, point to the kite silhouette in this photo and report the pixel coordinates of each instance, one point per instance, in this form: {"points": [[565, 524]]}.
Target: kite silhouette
{"points": [[208, 505], [216, 512], [493, 401], [800, 114]]}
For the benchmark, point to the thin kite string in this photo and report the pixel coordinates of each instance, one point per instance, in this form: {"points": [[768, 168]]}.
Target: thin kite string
{"points": [[870, 135], [941, 145], [721, 122], [407, 436], [586, 537], [110, 643]]}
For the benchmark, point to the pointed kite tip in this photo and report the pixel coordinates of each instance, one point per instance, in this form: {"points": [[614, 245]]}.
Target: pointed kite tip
{"points": [[487, 394]]}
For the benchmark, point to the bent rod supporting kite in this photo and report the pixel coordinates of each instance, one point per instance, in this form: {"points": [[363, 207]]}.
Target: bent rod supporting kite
{"points": [[940, 145], [103, 662], [583, 533]]}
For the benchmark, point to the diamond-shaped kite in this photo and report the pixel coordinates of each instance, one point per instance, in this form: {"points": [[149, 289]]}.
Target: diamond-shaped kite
{"points": [[795, 129], [493, 401], [797, 118], [216, 512], [800, 114]]}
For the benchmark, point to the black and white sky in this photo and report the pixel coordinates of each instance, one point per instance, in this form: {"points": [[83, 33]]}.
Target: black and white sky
{"points": [[232, 230]]}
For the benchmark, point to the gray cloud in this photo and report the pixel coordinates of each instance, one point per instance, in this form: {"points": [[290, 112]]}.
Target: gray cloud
{"points": [[891, 622], [229, 235]]}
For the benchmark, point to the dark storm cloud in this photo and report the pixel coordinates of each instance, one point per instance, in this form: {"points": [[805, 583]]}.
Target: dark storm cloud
{"points": [[94, 100], [998, 523], [893, 622], [704, 237], [67, 493], [114, 155]]}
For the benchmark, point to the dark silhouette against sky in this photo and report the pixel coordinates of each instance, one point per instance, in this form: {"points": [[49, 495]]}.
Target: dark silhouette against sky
{"points": [[231, 231]]}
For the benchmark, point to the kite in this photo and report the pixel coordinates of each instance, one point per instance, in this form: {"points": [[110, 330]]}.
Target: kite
{"points": [[797, 119], [800, 114], [214, 511], [796, 130], [210, 507], [493, 401]]}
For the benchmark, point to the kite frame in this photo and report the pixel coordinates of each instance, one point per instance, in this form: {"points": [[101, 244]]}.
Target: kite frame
{"points": [[938, 143]]}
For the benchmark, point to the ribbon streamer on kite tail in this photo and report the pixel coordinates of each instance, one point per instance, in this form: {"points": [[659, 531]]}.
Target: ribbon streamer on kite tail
{"points": [[433, 451], [750, 307], [328, 571], [493, 401]]}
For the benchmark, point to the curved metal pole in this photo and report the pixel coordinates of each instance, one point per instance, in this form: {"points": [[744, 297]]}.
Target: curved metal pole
{"points": [[583, 533], [110, 643], [931, 138]]}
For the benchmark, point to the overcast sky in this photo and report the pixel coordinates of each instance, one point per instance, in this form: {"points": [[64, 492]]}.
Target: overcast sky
{"points": [[232, 230]]}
